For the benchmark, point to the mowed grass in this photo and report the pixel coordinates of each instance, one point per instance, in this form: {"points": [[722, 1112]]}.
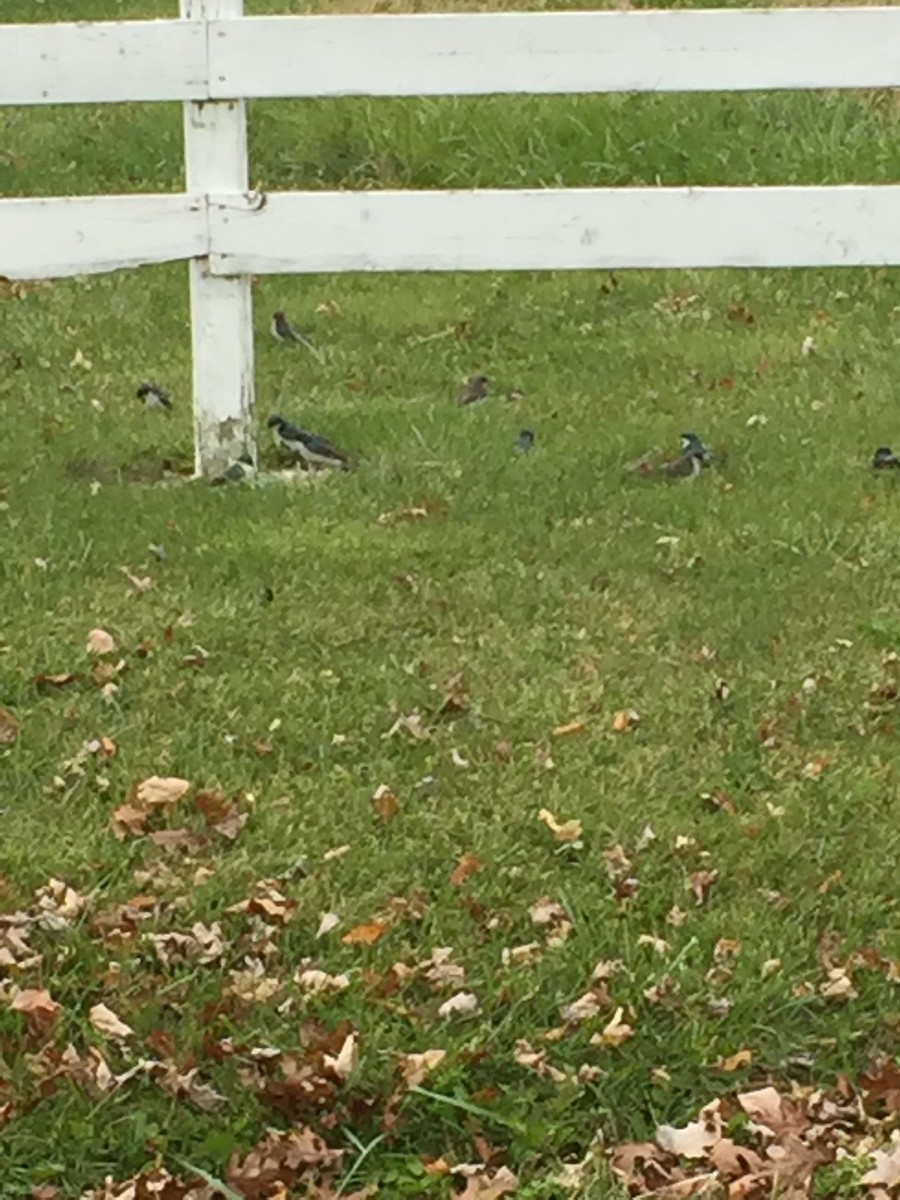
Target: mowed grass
{"points": [[561, 588]]}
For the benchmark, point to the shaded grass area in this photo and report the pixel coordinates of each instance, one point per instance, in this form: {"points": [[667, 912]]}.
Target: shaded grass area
{"points": [[560, 587]]}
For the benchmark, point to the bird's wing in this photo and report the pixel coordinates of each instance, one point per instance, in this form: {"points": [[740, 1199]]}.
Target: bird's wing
{"points": [[320, 445]]}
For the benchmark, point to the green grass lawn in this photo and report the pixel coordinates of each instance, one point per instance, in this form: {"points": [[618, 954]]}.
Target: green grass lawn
{"points": [[286, 628]]}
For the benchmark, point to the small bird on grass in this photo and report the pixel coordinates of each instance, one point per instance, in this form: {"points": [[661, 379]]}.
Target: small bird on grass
{"points": [[691, 444], [154, 396], [524, 441], [314, 450], [284, 332], [689, 463], [474, 392], [241, 470], [884, 459]]}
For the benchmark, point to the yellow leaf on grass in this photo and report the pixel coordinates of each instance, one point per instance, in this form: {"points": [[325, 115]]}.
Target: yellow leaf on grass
{"points": [[569, 728], [734, 1062], [364, 935], [567, 831]]}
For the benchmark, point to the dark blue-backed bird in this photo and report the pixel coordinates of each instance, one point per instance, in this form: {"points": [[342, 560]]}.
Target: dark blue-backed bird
{"points": [[154, 396], [284, 332], [316, 451], [884, 459], [525, 441]]}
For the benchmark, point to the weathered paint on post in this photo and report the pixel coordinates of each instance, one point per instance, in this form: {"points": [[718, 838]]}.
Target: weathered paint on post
{"points": [[215, 137]]}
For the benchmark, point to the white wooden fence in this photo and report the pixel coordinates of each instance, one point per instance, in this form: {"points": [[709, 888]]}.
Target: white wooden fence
{"points": [[213, 58]]}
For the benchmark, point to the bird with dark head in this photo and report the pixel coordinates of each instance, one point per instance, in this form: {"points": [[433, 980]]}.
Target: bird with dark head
{"points": [[153, 396], [884, 459], [691, 444], [525, 441], [284, 332], [312, 449], [474, 392]]}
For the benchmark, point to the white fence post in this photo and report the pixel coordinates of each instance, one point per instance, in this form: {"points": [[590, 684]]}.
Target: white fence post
{"points": [[215, 138]]}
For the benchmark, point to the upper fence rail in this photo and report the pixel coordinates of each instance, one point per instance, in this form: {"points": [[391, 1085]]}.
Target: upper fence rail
{"points": [[450, 54]]}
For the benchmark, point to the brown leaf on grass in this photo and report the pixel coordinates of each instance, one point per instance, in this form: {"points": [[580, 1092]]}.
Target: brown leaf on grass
{"points": [[614, 1033], [771, 1111], [455, 701], [186, 1086], [314, 982], [365, 934], [466, 865], [699, 883], [160, 791], [484, 1184], [343, 1064], [886, 1172], [585, 1007], [385, 803], [462, 1004], [61, 679], [129, 819], [221, 815], [38, 1008], [100, 642], [881, 1085], [174, 839], [415, 1068], [9, 727], [566, 831], [410, 723], [106, 1021], [280, 1161]]}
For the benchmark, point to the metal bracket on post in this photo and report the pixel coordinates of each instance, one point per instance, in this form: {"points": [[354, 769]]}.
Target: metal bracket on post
{"points": [[215, 143]]}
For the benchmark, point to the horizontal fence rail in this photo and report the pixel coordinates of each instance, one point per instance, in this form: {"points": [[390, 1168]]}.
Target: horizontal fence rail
{"points": [[569, 229], [213, 59], [433, 55]]}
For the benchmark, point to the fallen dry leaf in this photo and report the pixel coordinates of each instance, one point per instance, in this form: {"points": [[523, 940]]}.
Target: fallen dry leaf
{"points": [[734, 1062], [625, 719], [485, 1184], [700, 882], [100, 642], [38, 1008], [344, 1062], [415, 1068], [586, 1006], [881, 1084], [569, 728], [886, 1172], [106, 1021], [160, 791], [614, 1033], [9, 727], [466, 865], [365, 934], [567, 831], [462, 1003], [384, 803], [60, 679], [328, 922]]}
